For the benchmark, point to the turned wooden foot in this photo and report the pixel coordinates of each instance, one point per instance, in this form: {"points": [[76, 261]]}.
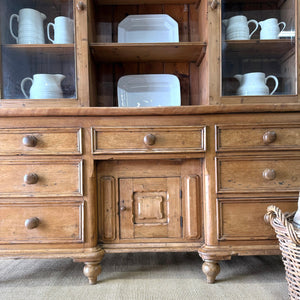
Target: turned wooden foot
{"points": [[211, 269], [91, 270]]}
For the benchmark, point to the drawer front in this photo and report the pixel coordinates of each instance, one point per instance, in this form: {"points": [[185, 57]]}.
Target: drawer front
{"points": [[40, 178], [255, 174], [41, 222], [44, 141], [255, 137], [244, 220], [148, 140]]}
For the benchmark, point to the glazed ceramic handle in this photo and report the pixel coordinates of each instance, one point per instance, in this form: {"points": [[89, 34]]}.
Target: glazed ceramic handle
{"points": [[276, 83], [256, 27], [48, 31], [10, 26], [22, 86], [283, 25]]}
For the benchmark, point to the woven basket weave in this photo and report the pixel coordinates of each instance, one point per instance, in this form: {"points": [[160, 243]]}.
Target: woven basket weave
{"points": [[289, 243]]}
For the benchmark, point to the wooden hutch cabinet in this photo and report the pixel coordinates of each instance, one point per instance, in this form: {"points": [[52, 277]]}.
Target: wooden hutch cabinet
{"points": [[81, 175]]}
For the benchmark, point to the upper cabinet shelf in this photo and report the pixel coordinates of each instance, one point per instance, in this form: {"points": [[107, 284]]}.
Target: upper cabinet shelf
{"points": [[134, 52]]}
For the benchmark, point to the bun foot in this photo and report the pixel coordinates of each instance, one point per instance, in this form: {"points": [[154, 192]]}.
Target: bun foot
{"points": [[91, 270], [211, 269]]}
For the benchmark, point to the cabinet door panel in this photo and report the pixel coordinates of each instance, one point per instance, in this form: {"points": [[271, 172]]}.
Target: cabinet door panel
{"points": [[150, 207]]}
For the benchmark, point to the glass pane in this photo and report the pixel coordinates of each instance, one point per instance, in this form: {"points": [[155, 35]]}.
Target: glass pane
{"points": [[37, 49], [258, 48]]}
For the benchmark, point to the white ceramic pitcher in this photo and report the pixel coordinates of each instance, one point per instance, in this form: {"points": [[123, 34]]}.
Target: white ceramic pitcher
{"points": [[63, 28], [237, 28], [44, 86], [30, 27], [255, 84], [270, 29]]}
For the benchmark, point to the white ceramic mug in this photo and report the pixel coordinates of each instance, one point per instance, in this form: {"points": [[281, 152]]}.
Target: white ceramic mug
{"points": [[270, 29], [63, 28], [30, 27]]}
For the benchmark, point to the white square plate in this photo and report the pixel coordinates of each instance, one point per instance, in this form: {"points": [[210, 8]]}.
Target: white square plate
{"points": [[155, 28], [148, 90]]}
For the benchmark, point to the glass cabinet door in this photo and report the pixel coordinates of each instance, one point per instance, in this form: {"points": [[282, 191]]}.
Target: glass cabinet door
{"points": [[37, 51], [258, 49]]}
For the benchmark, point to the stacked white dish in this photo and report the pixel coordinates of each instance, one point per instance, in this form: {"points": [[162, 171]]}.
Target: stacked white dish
{"points": [[153, 28], [149, 90]]}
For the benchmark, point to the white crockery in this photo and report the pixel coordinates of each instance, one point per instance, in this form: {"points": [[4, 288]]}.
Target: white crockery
{"points": [[63, 28], [30, 26], [152, 28], [149, 90], [270, 29], [255, 84], [237, 28], [44, 86]]}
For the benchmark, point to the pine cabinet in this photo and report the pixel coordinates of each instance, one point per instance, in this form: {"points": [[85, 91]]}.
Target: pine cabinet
{"points": [[81, 175]]}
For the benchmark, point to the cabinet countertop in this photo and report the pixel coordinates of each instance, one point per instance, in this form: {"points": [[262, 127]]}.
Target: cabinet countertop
{"points": [[149, 111]]}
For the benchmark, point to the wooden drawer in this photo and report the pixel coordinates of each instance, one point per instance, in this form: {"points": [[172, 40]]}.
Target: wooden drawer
{"points": [[258, 174], [41, 222], [40, 178], [244, 219], [148, 140], [44, 141], [255, 137]]}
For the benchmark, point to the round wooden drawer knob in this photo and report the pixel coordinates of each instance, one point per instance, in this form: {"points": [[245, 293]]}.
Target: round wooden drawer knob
{"points": [[31, 178], [269, 174], [29, 141], [123, 208], [269, 137], [32, 223], [149, 139]]}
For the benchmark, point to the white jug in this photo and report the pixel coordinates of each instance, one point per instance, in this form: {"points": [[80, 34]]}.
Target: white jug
{"points": [[30, 28], [270, 29], [44, 86], [63, 28], [255, 84], [237, 28]]}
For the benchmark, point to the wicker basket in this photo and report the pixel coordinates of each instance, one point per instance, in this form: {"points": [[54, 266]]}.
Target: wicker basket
{"points": [[289, 243]]}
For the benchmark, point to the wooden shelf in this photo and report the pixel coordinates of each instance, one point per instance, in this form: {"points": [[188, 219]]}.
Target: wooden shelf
{"points": [[141, 2], [40, 49], [134, 52], [259, 48]]}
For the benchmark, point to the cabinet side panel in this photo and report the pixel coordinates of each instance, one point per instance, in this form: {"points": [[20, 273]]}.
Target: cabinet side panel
{"points": [[107, 206], [191, 207]]}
